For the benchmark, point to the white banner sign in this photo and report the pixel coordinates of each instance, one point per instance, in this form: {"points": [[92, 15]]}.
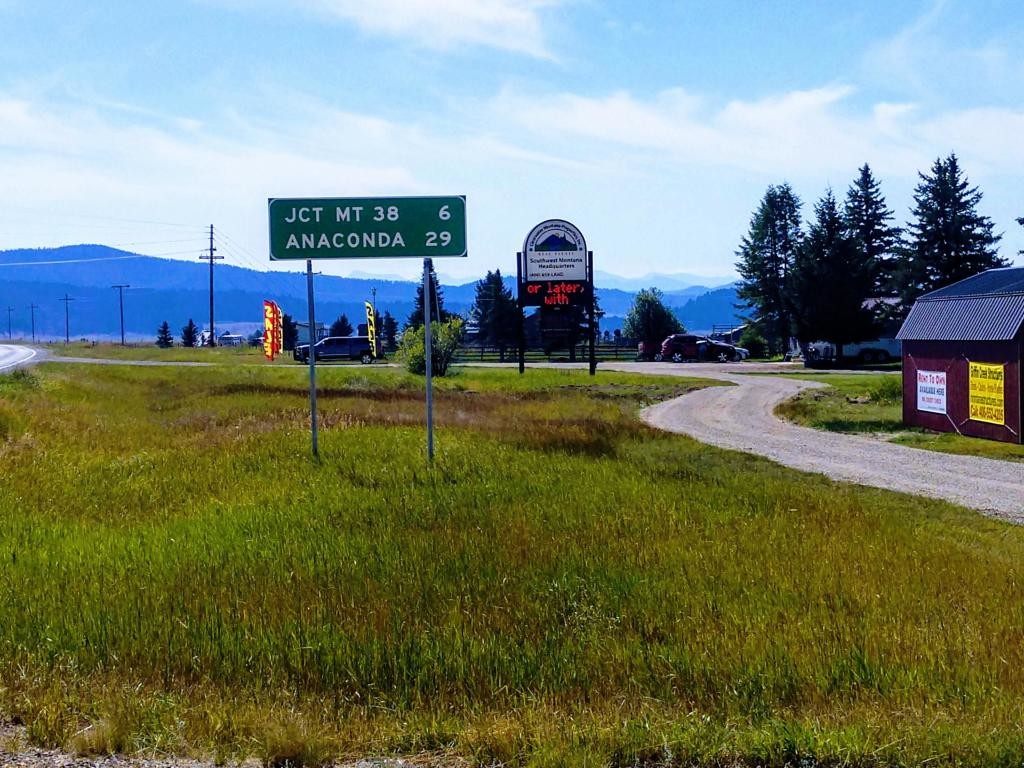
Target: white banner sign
{"points": [[931, 391]]}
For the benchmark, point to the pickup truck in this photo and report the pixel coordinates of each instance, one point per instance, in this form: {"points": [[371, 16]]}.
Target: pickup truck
{"points": [[337, 348]]}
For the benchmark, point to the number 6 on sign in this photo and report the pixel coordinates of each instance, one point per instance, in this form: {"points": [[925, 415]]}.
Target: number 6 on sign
{"points": [[444, 214]]}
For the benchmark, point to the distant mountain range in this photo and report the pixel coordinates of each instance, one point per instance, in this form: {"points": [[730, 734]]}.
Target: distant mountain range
{"points": [[667, 283], [173, 290]]}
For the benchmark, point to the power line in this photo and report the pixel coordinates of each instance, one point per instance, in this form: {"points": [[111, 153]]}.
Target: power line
{"points": [[9, 311], [67, 261], [33, 309]]}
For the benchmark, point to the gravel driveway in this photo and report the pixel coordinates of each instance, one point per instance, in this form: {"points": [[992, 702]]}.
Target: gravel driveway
{"points": [[742, 418]]}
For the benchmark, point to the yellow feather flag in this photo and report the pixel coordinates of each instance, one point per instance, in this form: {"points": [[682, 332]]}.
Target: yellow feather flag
{"points": [[371, 327]]}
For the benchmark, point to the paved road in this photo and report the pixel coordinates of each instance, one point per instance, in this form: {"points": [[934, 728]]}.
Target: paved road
{"points": [[14, 356], [742, 418]]}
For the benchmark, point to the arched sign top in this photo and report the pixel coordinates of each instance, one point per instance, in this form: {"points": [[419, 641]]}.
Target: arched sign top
{"points": [[554, 250]]}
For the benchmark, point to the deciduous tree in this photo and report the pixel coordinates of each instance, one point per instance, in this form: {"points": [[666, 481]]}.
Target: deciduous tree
{"points": [[444, 342], [649, 320]]}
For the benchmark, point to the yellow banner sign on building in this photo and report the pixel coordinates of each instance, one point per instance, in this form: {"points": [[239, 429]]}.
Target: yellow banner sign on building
{"points": [[986, 390]]}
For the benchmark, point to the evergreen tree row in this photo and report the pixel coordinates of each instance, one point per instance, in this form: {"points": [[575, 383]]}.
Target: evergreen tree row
{"points": [[820, 284]]}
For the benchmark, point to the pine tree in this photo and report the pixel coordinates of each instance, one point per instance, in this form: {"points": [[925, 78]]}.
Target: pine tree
{"points": [[341, 326], [832, 277], [867, 219], [649, 320], [189, 334], [1021, 222], [437, 311], [766, 258], [948, 240], [164, 339], [289, 332], [495, 312], [389, 331]]}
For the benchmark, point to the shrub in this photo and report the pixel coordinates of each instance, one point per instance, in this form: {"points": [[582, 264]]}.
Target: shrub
{"points": [[753, 340], [444, 342], [888, 390]]}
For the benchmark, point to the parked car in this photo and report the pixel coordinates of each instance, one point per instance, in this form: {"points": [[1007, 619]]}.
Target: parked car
{"points": [[687, 346], [337, 348]]}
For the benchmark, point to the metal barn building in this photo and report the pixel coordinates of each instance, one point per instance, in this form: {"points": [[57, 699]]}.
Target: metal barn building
{"points": [[962, 348]]}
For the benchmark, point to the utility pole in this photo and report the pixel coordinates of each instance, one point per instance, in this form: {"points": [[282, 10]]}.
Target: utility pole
{"points": [[67, 318], [120, 292], [33, 309], [9, 311], [211, 257]]}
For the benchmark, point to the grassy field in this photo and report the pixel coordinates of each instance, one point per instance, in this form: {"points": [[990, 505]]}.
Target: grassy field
{"points": [[564, 587], [873, 403], [218, 355]]}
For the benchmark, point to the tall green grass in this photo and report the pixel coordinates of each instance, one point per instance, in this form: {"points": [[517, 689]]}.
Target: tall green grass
{"points": [[564, 586]]}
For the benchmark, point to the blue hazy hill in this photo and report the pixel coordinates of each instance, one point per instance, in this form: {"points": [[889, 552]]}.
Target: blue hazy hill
{"points": [[175, 290]]}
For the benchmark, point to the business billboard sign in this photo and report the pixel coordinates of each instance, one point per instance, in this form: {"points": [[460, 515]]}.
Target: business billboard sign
{"points": [[931, 391], [987, 393], [554, 267], [367, 227]]}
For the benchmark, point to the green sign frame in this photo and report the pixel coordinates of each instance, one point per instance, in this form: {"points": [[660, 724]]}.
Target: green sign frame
{"points": [[367, 227]]}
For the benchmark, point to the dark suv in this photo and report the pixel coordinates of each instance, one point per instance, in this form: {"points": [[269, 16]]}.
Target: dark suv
{"points": [[686, 346], [337, 348]]}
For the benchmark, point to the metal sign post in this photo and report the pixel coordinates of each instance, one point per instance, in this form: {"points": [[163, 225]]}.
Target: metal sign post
{"points": [[367, 228], [312, 357], [521, 317], [592, 324], [427, 354]]}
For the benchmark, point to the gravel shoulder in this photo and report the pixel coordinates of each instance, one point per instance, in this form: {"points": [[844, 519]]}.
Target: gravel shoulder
{"points": [[742, 418]]}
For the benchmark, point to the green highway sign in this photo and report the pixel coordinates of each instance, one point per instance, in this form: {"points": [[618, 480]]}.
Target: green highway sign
{"points": [[367, 227]]}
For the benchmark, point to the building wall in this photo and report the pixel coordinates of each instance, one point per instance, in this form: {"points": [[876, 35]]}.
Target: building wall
{"points": [[954, 357]]}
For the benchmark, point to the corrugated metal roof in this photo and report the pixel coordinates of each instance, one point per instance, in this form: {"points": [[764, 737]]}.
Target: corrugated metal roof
{"points": [[987, 283], [965, 318]]}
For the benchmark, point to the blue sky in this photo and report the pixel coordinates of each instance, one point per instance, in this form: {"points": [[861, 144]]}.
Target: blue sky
{"points": [[654, 126]]}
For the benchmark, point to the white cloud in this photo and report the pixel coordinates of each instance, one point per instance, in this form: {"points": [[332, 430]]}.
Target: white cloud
{"points": [[798, 133], [936, 58], [510, 25]]}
